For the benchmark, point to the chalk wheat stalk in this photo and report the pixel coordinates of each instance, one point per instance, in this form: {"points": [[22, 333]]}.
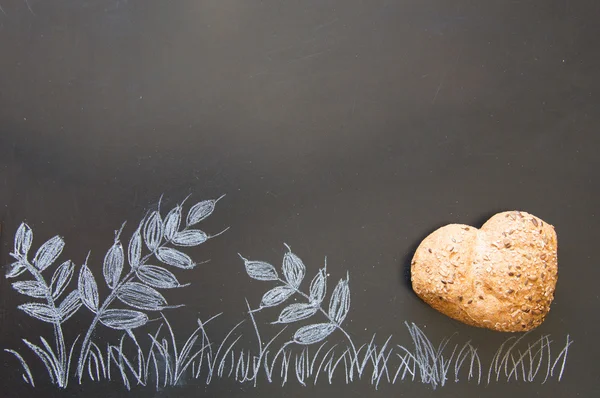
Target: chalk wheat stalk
{"points": [[53, 310], [138, 287]]}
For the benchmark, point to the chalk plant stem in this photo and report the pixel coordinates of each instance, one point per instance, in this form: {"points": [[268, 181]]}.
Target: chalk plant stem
{"points": [[59, 338], [337, 325], [85, 346]]}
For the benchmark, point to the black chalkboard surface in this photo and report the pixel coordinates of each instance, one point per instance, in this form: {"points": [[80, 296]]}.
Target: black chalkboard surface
{"points": [[222, 198]]}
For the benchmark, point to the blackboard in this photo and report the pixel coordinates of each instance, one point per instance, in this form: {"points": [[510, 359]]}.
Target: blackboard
{"points": [[331, 132]]}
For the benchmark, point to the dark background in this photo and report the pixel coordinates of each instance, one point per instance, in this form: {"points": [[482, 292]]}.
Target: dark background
{"points": [[347, 129]]}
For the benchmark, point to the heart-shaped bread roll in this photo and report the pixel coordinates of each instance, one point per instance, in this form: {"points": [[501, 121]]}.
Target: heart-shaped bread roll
{"points": [[501, 277]]}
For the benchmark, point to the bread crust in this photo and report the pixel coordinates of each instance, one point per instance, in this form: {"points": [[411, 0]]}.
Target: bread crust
{"points": [[501, 276]]}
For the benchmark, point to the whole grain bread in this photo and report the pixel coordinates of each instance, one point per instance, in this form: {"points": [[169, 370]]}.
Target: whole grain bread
{"points": [[501, 277]]}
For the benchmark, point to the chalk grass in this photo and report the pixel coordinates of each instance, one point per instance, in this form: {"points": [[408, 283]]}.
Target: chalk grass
{"points": [[202, 358]]}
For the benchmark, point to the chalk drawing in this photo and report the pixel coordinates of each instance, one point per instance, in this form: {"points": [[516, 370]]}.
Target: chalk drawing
{"points": [[309, 339], [135, 287]]}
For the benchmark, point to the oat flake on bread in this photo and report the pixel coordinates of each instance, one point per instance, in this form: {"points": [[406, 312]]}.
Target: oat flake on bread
{"points": [[501, 276]]}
